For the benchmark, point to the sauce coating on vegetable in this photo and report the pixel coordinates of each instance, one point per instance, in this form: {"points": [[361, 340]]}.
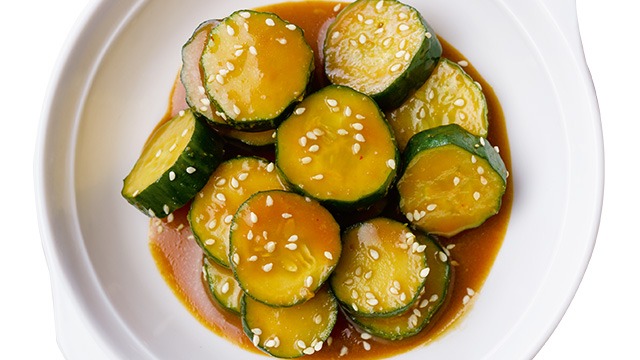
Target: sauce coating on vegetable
{"points": [[471, 253]]}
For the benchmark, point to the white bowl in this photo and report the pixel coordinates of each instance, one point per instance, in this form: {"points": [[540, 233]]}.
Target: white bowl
{"points": [[113, 86]]}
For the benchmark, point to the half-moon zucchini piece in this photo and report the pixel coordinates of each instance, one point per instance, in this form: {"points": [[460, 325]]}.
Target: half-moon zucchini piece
{"points": [[222, 286], [452, 180], [175, 164]]}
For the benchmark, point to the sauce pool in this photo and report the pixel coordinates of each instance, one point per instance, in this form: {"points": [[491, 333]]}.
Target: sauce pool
{"points": [[472, 252]]}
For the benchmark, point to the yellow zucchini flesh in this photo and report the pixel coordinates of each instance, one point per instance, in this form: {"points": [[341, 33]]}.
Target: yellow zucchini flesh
{"points": [[256, 67], [289, 332], [381, 271], [283, 247], [222, 286], [212, 210], [449, 96]]}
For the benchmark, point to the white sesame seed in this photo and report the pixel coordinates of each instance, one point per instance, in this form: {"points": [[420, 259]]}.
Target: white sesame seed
{"points": [[368, 21], [223, 72], [269, 200], [456, 181], [235, 258], [359, 137], [270, 22], [357, 126], [236, 109], [293, 238], [250, 235], [355, 148], [228, 219], [362, 39], [374, 254], [253, 217], [403, 297], [305, 160], [465, 299], [267, 267], [395, 67], [209, 242], [302, 141], [270, 167], [386, 42], [403, 27], [301, 344], [269, 343], [308, 281], [332, 102], [290, 27], [473, 159], [270, 247], [191, 170], [230, 30], [317, 177], [470, 292], [347, 111], [476, 195], [428, 35], [286, 215], [403, 16], [337, 7], [211, 224], [434, 298], [409, 216], [372, 302], [483, 180], [482, 141], [443, 257], [291, 246], [366, 345], [221, 197], [311, 135], [391, 163], [379, 5], [342, 132], [328, 255], [238, 52], [425, 272], [252, 50], [480, 170], [421, 248], [344, 350], [252, 258], [181, 113], [243, 176], [300, 111], [314, 148], [459, 102], [497, 149], [309, 351], [256, 340], [245, 14], [225, 287], [431, 207], [463, 63]]}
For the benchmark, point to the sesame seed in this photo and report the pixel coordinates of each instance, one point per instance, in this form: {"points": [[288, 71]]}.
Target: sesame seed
{"points": [[211, 224], [305, 160], [368, 21], [497, 149], [245, 14], [230, 30], [459, 102], [400, 53], [395, 67], [355, 148], [403, 297], [253, 217], [250, 235], [480, 170], [379, 5], [235, 258], [374, 254], [332, 102], [269, 343], [238, 52], [191, 170], [476, 195], [256, 340], [290, 27], [434, 298], [267, 267], [409, 216], [463, 63], [391, 163], [314, 148], [308, 351], [465, 299], [286, 215], [308, 281], [328, 255], [443, 257], [252, 50], [357, 126], [234, 183], [221, 197], [252, 258], [360, 17], [181, 113], [372, 302], [225, 287], [425, 272], [291, 246], [359, 137], [228, 219], [347, 111], [300, 111], [302, 141], [301, 344], [470, 291], [362, 39], [428, 35], [270, 167], [223, 72], [311, 135], [293, 238], [366, 345], [386, 42], [270, 22], [354, 307], [482, 141], [483, 180], [236, 109], [403, 16], [403, 27], [269, 200], [172, 176], [243, 176], [317, 177], [344, 350], [473, 159], [413, 320], [270, 247], [431, 207], [342, 132]]}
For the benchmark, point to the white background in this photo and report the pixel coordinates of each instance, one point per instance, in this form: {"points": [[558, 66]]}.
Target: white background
{"points": [[602, 321]]}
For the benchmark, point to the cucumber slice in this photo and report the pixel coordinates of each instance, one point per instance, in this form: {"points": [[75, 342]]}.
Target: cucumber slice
{"points": [[381, 272], [222, 286], [384, 49], [191, 74], [283, 247], [449, 96], [257, 67], [259, 138], [338, 148], [452, 180], [175, 164], [291, 331], [431, 299], [233, 182]]}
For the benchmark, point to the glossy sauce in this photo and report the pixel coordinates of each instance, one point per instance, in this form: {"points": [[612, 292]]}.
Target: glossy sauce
{"points": [[179, 258]]}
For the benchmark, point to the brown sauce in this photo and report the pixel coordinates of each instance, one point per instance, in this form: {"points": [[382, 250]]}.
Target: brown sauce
{"points": [[179, 258]]}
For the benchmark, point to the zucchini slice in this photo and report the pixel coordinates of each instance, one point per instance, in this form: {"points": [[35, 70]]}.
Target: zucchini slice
{"points": [[452, 180], [257, 67], [449, 96], [191, 74], [212, 210], [259, 138], [175, 164], [419, 315], [338, 148], [383, 48], [283, 247], [381, 272], [289, 332], [223, 287]]}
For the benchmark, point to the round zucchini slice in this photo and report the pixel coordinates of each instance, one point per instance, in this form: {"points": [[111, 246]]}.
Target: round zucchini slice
{"points": [[338, 148], [452, 180], [212, 210], [381, 272], [283, 247], [449, 96], [290, 332], [222, 286], [175, 164], [256, 68], [383, 48], [191, 74], [431, 298]]}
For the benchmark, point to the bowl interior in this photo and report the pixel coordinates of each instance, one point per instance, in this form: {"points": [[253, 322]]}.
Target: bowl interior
{"points": [[133, 64]]}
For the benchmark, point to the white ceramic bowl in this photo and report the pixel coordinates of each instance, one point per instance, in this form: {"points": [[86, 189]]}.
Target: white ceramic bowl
{"points": [[114, 83]]}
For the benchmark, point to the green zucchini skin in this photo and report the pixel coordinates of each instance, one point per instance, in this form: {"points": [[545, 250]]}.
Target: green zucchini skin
{"points": [[211, 276], [203, 153], [454, 134]]}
